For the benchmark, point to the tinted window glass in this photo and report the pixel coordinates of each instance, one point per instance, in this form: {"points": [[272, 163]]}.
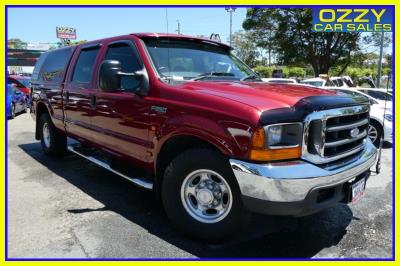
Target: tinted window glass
{"points": [[38, 66], [379, 95], [329, 84], [84, 66], [185, 60], [54, 66], [130, 63]]}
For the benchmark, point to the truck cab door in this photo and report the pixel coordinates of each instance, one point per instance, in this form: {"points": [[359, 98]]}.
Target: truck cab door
{"points": [[121, 117], [79, 92]]}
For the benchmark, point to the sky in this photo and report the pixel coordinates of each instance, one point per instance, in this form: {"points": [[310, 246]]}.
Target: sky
{"points": [[38, 25]]}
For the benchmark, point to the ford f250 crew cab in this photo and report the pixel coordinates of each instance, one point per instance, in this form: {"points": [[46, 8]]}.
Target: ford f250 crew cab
{"points": [[185, 117]]}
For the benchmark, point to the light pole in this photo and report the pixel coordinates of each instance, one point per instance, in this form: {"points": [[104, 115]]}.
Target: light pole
{"points": [[230, 10], [378, 80]]}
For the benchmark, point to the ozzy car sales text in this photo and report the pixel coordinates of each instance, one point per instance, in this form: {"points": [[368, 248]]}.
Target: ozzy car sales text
{"points": [[351, 20]]}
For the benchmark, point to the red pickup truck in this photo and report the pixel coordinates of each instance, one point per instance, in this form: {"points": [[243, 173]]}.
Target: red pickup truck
{"points": [[185, 117]]}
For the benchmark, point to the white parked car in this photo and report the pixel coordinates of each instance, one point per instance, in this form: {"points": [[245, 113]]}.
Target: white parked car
{"points": [[379, 95], [332, 82], [380, 122], [279, 80], [317, 82], [339, 82]]}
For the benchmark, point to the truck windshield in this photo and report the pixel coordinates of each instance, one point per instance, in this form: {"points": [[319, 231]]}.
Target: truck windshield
{"points": [[179, 60]]}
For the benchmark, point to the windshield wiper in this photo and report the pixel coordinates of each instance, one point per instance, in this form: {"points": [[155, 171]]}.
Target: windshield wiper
{"points": [[251, 77], [212, 74]]}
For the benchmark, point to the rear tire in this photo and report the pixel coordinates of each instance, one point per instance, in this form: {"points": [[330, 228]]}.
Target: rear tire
{"points": [[53, 142], [209, 207]]}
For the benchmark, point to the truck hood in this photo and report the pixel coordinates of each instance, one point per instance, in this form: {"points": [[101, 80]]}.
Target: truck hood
{"points": [[262, 96]]}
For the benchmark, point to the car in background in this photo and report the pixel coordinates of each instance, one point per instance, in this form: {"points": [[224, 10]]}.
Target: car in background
{"points": [[380, 121], [16, 101], [339, 82], [327, 82], [380, 95], [22, 83], [279, 80], [318, 82]]}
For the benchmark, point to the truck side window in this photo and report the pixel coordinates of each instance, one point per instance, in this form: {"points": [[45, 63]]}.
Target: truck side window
{"points": [[84, 65], [38, 66], [52, 67], [130, 63]]}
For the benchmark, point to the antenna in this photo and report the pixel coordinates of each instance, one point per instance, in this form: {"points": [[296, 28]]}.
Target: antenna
{"points": [[378, 163], [168, 57], [179, 26]]}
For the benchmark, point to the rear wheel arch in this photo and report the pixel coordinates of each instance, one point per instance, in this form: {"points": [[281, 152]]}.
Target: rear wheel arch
{"points": [[40, 109]]}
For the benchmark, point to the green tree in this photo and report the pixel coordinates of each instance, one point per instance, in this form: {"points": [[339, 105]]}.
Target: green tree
{"points": [[245, 48], [293, 41], [16, 44]]}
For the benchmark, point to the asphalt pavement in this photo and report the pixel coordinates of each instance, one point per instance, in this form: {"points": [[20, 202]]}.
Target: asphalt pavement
{"points": [[70, 208]]}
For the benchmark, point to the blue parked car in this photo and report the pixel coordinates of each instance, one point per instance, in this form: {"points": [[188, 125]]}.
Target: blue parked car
{"points": [[16, 101]]}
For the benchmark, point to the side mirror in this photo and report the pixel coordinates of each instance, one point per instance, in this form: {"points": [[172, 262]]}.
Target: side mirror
{"points": [[110, 77], [109, 80]]}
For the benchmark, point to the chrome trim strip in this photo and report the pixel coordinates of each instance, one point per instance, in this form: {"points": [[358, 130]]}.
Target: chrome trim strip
{"points": [[347, 126], [292, 180], [134, 180], [346, 141]]}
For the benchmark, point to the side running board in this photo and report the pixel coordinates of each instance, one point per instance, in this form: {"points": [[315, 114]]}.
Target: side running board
{"points": [[135, 180]]}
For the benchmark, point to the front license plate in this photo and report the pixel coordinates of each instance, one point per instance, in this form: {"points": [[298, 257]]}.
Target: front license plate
{"points": [[358, 189]]}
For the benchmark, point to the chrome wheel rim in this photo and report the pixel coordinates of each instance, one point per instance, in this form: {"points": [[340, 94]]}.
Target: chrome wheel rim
{"points": [[372, 133], [206, 196], [46, 135]]}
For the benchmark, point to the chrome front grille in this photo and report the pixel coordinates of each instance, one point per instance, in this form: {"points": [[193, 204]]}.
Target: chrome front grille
{"points": [[335, 134]]}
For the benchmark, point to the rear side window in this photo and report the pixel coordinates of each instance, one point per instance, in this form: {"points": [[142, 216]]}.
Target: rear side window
{"points": [[54, 65], [84, 66], [38, 67]]}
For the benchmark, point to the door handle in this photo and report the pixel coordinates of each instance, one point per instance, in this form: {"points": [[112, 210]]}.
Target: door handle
{"points": [[93, 101]]}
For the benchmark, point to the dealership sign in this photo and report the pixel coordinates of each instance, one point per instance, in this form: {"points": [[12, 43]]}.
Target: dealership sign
{"points": [[66, 33], [352, 19]]}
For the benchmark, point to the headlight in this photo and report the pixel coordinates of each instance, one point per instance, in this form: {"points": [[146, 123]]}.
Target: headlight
{"points": [[388, 117], [277, 142], [284, 135]]}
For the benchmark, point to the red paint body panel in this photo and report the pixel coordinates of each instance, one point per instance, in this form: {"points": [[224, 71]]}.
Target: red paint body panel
{"points": [[225, 114]]}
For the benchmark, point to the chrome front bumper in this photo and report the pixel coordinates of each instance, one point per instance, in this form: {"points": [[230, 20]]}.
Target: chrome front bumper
{"points": [[292, 181]]}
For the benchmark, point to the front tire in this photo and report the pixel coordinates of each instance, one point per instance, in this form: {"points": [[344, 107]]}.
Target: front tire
{"points": [[53, 142], [201, 196], [375, 132]]}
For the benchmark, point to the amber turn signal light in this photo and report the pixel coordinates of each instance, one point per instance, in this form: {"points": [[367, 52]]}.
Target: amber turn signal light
{"points": [[259, 151], [275, 154]]}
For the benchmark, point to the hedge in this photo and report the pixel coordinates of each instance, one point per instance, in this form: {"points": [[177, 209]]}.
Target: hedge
{"points": [[301, 72]]}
